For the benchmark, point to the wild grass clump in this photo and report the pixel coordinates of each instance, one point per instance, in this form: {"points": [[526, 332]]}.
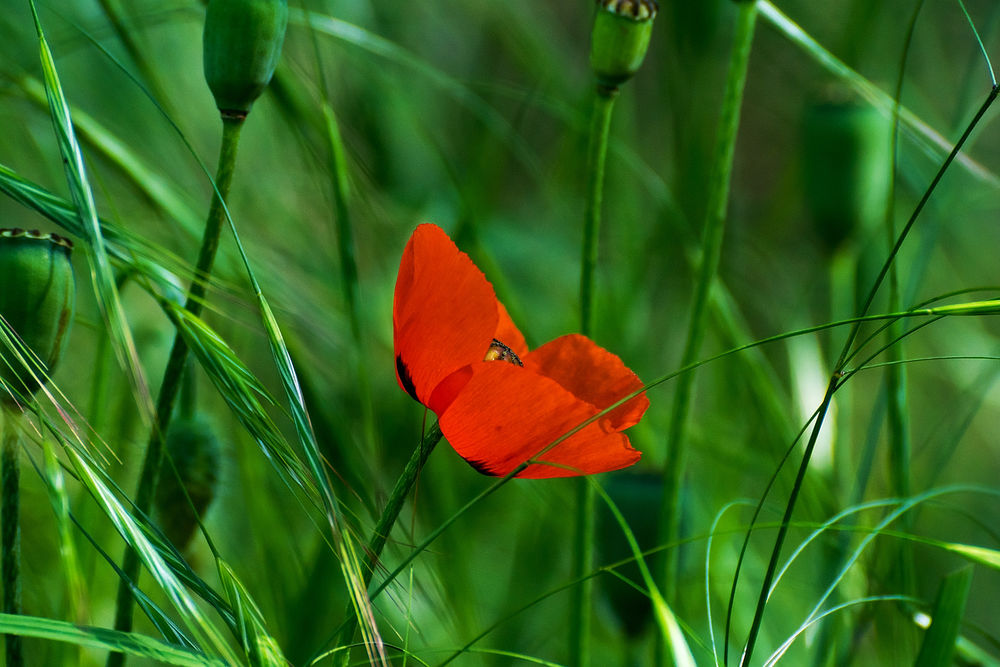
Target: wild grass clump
{"points": [[779, 215]]}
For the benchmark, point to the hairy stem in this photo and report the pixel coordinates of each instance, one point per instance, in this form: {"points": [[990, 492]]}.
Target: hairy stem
{"points": [[400, 492], [10, 531], [172, 376], [583, 543], [711, 249]]}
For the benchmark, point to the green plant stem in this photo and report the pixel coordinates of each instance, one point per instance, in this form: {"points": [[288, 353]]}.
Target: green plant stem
{"points": [[172, 375], [349, 271], [583, 543], [903, 574], [713, 232], [400, 492], [840, 365], [10, 531]]}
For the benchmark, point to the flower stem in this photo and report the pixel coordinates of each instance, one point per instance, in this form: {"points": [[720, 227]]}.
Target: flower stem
{"points": [[404, 484], [711, 249], [583, 543], [10, 531], [173, 374], [597, 149]]}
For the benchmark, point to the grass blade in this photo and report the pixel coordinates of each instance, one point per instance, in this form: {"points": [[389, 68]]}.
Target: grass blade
{"points": [[101, 274], [102, 638], [938, 647]]}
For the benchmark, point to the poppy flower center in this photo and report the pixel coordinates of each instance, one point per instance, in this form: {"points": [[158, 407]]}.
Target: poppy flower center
{"points": [[497, 351]]}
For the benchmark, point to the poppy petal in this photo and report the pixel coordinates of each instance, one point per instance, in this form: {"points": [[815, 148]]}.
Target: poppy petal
{"points": [[444, 313], [592, 374], [506, 414]]}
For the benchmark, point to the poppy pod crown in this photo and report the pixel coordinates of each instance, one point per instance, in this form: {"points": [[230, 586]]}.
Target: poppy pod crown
{"points": [[37, 299], [498, 403]]}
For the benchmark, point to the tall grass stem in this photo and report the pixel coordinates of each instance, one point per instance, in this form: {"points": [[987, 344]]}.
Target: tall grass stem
{"points": [[583, 544], [393, 506], [172, 376], [711, 249], [10, 531], [840, 365]]}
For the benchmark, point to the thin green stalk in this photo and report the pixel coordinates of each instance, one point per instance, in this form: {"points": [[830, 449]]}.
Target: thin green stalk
{"points": [[583, 543], [897, 411], [714, 228], [10, 531], [349, 271], [841, 365], [400, 492], [597, 149], [174, 372]]}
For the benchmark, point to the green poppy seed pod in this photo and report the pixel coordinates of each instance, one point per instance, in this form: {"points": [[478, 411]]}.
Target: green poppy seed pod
{"points": [[847, 165], [242, 44], [638, 497], [620, 39], [196, 454], [37, 300]]}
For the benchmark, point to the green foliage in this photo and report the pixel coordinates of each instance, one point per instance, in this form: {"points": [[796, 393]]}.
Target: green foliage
{"points": [[475, 116]]}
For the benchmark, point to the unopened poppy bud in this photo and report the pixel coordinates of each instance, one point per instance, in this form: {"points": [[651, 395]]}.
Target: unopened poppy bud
{"points": [[846, 167], [242, 44], [37, 300], [620, 39], [196, 454]]}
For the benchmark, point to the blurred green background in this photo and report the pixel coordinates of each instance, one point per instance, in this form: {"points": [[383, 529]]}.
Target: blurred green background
{"points": [[473, 115]]}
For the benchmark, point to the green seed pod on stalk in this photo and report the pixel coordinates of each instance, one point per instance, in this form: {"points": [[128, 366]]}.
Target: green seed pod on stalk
{"points": [[846, 168], [37, 300], [196, 454], [620, 39], [242, 45]]}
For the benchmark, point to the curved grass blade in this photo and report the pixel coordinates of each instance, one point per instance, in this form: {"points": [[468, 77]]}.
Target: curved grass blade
{"points": [[243, 393], [102, 276], [981, 555], [205, 633], [133, 254], [145, 179], [933, 144], [670, 629], [938, 647], [258, 644], [102, 638]]}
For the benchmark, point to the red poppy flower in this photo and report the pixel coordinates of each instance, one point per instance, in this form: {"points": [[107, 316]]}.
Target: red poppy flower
{"points": [[459, 353]]}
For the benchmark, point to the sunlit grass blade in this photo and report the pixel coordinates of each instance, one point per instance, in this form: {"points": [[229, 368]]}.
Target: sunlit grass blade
{"points": [[102, 638], [981, 555], [930, 140], [144, 178], [244, 394], [938, 647], [201, 627], [671, 631], [102, 274], [258, 644], [130, 252], [350, 563], [56, 486]]}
